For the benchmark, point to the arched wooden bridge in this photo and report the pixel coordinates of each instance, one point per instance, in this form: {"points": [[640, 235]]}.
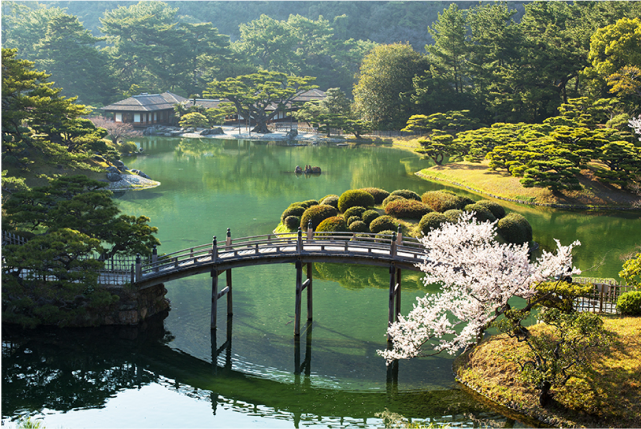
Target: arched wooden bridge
{"points": [[395, 252]]}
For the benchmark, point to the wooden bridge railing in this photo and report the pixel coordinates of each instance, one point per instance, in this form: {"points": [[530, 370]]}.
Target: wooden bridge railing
{"points": [[403, 249], [603, 297]]}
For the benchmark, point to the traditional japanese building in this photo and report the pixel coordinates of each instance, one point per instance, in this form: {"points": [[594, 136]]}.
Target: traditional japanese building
{"points": [[145, 109]]}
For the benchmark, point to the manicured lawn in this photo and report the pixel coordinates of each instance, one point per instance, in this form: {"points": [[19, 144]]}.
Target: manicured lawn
{"points": [[478, 178], [607, 396]]}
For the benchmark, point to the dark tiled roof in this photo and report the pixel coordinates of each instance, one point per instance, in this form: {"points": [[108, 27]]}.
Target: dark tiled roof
{"points": [[309, 95], [146, 103], [207, 103]]}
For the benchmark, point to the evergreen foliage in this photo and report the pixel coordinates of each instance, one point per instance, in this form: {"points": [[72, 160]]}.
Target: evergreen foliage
{"points": [[355, 198]]}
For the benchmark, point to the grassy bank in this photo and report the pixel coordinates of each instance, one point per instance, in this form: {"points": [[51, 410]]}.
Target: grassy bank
{"points": [[477, 178], [608, 396]]}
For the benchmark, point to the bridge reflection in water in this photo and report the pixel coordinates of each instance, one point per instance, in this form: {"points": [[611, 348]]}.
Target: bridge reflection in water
{"points": [[63, 371]]}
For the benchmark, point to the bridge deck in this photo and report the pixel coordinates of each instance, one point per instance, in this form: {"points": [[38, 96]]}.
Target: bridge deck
{"points": [[282, 248]]}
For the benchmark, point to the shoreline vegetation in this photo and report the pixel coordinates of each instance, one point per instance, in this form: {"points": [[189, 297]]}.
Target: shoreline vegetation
{"points": [[607, 396]]}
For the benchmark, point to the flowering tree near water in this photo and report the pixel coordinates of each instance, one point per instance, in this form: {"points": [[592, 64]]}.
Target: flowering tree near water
{"points": [[478, 276]]}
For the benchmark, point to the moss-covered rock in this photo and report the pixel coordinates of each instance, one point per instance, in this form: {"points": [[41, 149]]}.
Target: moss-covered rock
{"points": [[407, 194], [407, 209], [316, 214], [378, 194], [383, 223], [431, 221], [354, 198], [515, 228]]}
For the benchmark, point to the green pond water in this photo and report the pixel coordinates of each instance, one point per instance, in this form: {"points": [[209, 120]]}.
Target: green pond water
{"points": [[161, 374]]}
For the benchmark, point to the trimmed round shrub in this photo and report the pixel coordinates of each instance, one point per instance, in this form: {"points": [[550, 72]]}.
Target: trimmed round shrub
{"points": [[497, 210], [384, 236], [378, 194], [358, 226], [352, 219], [441, 201], [383, 223], [354, 198], [514, 228], [354, 211], [310, 203], [332, 224], [292, 211], [316, 214], [431, 221], [330, 200], [629, 303], [407, 194], [292, 222], [453, 215], [463, 201], [407, 209], [482, 213], [369, 215], [391, 198]]}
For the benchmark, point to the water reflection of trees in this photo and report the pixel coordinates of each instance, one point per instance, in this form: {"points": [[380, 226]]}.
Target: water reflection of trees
{"points": [[66, 370], [356, 277]]}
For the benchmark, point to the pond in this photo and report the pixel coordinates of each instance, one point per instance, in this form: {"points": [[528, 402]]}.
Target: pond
{"points": [[161, 374]]}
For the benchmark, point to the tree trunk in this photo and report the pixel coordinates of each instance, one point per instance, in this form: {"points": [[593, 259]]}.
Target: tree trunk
{"points": [[545, 396], [261, 128]]}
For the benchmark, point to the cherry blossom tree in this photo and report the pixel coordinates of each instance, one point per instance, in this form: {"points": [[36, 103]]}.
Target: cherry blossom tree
{"points": [[478, 276], [635, 124], [116, 130]]}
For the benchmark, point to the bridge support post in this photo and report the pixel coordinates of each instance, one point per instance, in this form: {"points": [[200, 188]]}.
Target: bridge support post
{"points": [[214, 297], [300, 287], [230, 311], [394, 296]]}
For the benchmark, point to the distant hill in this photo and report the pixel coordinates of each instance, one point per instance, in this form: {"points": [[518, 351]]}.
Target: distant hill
{"points": [[378, 21]]}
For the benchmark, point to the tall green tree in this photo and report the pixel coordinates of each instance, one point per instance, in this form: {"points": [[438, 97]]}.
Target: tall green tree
{"points": [[260, 96], [382, 94]]}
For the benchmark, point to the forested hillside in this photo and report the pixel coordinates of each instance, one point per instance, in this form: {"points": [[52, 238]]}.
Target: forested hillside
{"points": [[380, 21]]}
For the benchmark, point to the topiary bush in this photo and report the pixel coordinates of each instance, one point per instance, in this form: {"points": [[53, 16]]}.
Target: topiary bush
{"points": [[353, 198], [358, 226], [514, 228], [482, 213], [407, 209], [352, 219], [332, 224], [384, 236], [453, 215], [369, 215], [309, 203], [292, 222], [292, 211], [354, 211], [431, 221], [497, 210], [441, 201], [391, 198], [330, 200], [629, 303], [316, 214], [383, 223], [407, 194], [378, 194]]}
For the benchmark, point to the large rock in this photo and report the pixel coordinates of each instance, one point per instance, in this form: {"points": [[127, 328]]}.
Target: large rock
{"points": [[140, 173], [112, 169], [212, 131], [114, 177], [292, 134], [120, 165]]}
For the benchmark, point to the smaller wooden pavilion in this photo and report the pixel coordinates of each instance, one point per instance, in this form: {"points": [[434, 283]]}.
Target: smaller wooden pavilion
{"points": [[145, 109]]}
